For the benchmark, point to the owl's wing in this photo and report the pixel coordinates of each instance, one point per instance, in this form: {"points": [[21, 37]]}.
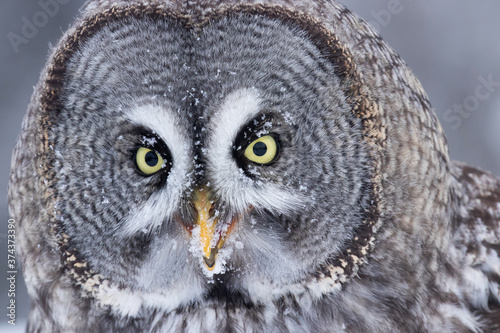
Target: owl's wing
{"points": [[477, 236]]}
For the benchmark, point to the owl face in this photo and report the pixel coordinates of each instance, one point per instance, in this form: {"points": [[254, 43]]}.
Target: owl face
{"points": [[207, 163]]}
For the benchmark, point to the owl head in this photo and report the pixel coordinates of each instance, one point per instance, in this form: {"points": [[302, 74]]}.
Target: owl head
{"points": [[189, 156]]}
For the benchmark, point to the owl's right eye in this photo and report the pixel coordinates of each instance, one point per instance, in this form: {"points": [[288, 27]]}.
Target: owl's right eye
{"points": [[148, 161], [262, 151]]}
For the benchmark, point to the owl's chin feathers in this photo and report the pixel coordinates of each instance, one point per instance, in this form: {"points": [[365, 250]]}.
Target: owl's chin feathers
{"points": [[264, 273], [227, 290]]}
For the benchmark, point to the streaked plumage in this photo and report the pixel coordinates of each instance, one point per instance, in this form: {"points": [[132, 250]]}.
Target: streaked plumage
{"points": [[245, 166]]}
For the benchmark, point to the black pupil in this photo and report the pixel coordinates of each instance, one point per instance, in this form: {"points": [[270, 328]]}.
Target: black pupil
{"points": [[260, 149], [151, 159]]}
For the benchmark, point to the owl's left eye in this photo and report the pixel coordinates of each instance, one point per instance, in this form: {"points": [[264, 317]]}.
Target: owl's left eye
{"points": [[148, 161], [263, 151]]}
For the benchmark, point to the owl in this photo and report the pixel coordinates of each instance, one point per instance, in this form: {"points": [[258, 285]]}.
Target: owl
{"points": [[245, 166]]}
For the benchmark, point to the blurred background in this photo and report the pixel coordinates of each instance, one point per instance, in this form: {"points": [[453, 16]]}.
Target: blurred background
{"points": [[452, 45]]}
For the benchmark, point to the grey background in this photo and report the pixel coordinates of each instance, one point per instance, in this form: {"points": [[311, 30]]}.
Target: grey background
{"points": [[449, 44]]}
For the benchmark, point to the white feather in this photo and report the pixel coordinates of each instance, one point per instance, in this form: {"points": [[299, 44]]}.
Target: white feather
{"points": [[162, 203], [235, 188]]}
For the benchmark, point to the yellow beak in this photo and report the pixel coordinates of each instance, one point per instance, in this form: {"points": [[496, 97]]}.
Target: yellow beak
{"points": [[211, 240]]}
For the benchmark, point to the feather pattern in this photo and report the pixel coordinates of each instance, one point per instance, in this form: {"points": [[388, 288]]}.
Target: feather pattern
{"points": [[361, 223]]}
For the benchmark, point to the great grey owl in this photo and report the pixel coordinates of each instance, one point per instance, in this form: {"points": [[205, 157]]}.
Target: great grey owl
{"points": [[245, 166]]}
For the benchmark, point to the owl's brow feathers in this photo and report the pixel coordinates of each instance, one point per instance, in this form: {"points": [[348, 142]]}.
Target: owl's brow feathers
{"points": [[154, 212]]}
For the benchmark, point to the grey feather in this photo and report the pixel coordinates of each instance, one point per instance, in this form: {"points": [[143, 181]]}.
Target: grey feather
{"points": [[360, 222]]}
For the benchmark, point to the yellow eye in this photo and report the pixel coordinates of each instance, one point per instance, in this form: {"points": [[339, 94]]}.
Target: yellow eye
{"points": [[148, 161], [264, 150]]}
